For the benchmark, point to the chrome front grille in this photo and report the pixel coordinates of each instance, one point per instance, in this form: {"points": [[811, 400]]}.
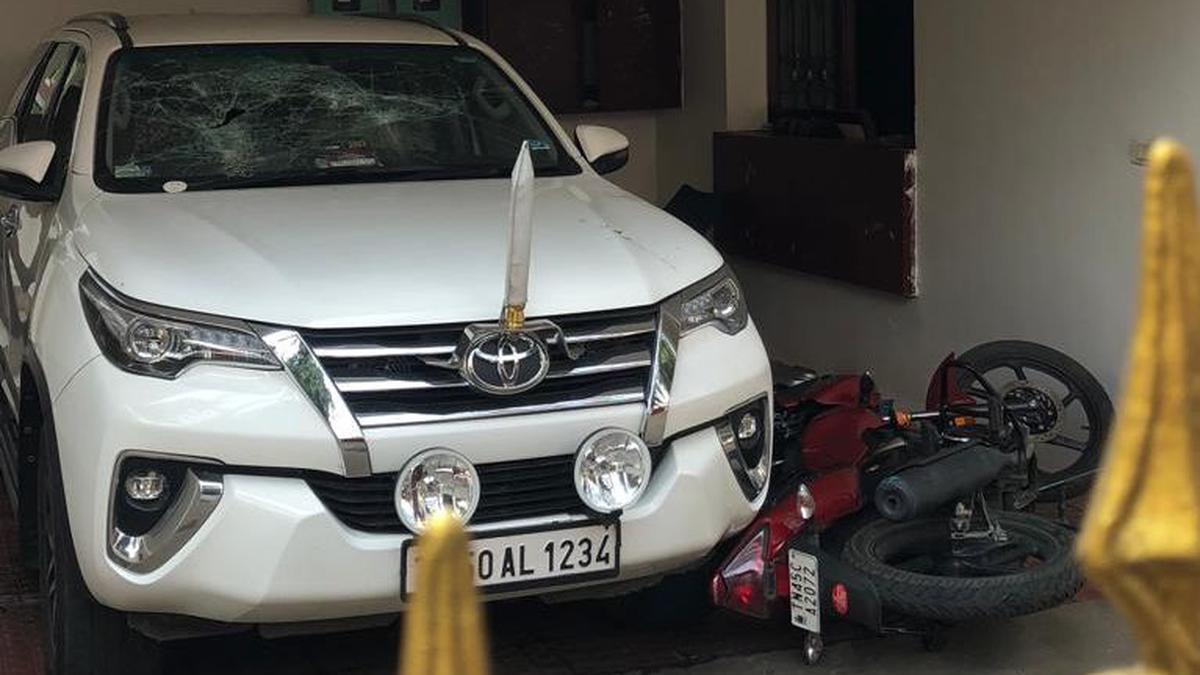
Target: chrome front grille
{"points": [[394, 376]]}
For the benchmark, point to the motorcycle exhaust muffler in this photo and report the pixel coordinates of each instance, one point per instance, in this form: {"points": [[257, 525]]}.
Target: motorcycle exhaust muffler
{"points": [[920, 490]]}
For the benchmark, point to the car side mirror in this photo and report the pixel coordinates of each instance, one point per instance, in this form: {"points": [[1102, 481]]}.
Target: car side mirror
{"points": [[23, 169], [605, 149]]}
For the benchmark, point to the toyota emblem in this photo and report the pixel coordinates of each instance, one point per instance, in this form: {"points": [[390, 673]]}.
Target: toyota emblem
{"points": [[505, 362]]}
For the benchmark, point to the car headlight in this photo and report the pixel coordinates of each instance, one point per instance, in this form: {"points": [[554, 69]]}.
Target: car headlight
{"points": [[436, 481], [612, 470], [715, 301], [162, 342]]}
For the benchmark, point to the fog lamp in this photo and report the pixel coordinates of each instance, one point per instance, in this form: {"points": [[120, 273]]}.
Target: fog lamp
{"points": [[612, 470], [436, 481], [747, 428], [747, 446], [145, 485]]}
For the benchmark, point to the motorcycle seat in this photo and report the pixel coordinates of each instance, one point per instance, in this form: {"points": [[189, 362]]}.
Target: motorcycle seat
{"points": [[787, 376]]}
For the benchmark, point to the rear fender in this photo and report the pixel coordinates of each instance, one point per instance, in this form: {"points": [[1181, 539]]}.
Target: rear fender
{"points": [[845, 592], [836, 495], [943, 387]]}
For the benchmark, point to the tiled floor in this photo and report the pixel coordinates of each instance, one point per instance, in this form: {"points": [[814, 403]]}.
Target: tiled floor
{"points": [[20, 626]]}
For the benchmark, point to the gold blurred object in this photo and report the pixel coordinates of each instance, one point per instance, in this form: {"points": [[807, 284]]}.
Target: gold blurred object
{"points": [[1141, 534], [514, 317], [444, 632]]}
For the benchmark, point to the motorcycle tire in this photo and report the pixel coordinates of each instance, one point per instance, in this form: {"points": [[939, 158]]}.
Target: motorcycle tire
{"points": [[873, 548], [1082, 385]]}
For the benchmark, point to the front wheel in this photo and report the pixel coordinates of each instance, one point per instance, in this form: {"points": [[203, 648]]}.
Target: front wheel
{"points": [[921, 572], [82, 636], [1068, 413]]}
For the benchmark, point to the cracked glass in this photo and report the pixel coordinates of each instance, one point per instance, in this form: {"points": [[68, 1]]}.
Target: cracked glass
{"points": [[217, 117]]}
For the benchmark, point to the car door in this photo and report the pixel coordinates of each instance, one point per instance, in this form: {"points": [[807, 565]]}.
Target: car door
{"points": [[47, 111]]}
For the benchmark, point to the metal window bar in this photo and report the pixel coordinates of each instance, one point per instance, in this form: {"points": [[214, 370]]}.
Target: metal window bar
{"points": [[809, 54]]}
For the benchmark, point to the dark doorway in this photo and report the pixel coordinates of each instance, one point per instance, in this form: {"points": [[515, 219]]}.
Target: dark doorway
{"points": [[830, 189]]}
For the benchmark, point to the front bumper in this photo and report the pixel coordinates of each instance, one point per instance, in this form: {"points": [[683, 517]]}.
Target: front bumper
{"points": [[271, 552]]}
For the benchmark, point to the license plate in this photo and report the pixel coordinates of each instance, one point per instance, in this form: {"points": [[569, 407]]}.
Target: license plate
{"points": [[512, 561], [805, 585]]}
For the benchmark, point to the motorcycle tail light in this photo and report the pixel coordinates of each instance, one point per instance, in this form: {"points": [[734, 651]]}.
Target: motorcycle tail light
{"points": [[840, 597], [745, 582]]}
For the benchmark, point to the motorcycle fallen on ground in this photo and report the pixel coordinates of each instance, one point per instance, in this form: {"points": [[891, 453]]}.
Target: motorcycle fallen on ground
{"points": [[908, 521]]}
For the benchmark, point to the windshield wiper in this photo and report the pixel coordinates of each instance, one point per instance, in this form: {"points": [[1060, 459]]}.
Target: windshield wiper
{"points": [[452, 172], [351, 175]]}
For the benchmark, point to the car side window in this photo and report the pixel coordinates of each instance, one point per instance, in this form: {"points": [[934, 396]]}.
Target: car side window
{"points": [[53, 110], [60, 126], [33, 119]]}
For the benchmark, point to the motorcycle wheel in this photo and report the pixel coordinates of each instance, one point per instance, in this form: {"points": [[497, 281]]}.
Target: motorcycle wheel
{"points": [[1067, 433], [916, 574]]}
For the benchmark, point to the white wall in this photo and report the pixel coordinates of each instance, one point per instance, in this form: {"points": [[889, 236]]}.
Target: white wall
{"points": [[1029, 205], [724, 87], [684, 137], [745, 64]]}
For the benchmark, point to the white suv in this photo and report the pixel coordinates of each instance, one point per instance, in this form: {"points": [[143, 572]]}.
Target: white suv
{"points": [[253, 269]]}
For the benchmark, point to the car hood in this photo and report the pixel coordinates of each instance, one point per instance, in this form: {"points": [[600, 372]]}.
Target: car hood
{"points": [[387, 254]]}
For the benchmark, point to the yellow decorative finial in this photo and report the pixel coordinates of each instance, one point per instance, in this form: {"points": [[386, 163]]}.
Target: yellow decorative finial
{"points": [[444, 632], [1141, 534]]}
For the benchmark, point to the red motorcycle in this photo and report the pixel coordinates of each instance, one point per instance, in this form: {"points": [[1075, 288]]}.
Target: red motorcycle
{"points": [[904, 522]]}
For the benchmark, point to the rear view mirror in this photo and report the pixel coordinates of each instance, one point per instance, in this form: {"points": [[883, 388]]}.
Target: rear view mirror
{"points": [[23, 169], [605, 149]]}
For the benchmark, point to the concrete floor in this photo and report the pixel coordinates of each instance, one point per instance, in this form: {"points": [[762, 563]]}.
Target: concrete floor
{"points": [[1084, 637], [597, 639]]}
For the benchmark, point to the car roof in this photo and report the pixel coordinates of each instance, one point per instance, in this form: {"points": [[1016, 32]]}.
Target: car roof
{"points": [[202, 29]]}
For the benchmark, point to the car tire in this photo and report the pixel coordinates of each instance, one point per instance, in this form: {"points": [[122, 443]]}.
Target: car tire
{"points": [[82, 637]]}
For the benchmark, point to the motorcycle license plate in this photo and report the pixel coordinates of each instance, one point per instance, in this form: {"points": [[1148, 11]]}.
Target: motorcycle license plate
{"points": [[511, 561], [805, 584]]}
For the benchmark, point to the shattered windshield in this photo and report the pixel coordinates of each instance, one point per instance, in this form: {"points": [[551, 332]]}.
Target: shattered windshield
{"points": [[215, 117]]}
